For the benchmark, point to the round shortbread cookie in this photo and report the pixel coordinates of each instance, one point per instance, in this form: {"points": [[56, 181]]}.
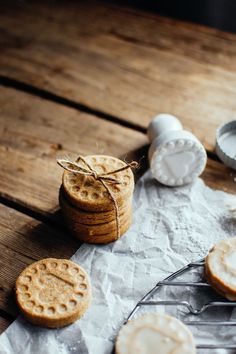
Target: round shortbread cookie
{"points": [[218, 287], [53, 292], [95, 238], [220, 267], [155, 333], [90, 218], [89, 194], [100, 229]]}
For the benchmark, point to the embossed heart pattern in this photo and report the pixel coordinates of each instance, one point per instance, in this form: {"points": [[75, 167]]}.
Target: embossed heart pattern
{"points": [[180, 163]]}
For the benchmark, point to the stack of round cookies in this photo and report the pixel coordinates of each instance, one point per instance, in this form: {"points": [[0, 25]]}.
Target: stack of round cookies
{"points": [[97, 206], [220, 268]]}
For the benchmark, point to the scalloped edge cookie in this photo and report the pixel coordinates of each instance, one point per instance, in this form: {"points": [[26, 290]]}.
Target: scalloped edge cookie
{"points": [[53, 292], [155, 333], [89, 194], [220, 268]]}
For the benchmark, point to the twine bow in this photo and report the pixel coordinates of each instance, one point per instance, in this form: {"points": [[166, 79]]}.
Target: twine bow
{"points": [[104, 178]]}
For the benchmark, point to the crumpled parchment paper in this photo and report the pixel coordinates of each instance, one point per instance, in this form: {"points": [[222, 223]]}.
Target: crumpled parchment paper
{"points": [[171, 227]]}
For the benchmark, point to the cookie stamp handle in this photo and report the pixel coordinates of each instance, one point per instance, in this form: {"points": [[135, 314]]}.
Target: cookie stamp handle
{"points": [[176, 156]]}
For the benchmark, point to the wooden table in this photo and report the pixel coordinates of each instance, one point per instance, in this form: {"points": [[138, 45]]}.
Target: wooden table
{"points": [[84, 78]]}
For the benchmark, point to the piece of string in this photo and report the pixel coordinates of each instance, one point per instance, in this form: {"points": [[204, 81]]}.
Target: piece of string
{"points": [[103, 178]]}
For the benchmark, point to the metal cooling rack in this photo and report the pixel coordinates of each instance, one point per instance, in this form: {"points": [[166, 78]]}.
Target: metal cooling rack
{"points": [[171, 281]]}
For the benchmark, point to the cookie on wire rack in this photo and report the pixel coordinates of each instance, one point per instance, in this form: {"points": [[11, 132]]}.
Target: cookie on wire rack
{"points": [[220, 268], [155, 333], [53, 292]]}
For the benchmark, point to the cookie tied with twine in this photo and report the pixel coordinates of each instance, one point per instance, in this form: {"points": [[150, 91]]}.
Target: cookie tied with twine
{"points": [[96, 197]]}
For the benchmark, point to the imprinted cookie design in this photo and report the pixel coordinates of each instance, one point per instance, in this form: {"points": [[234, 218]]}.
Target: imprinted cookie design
{"points": [[89, 194], [178, 161], [91, 218], [155, 333], [53, 292], [220, 268]]}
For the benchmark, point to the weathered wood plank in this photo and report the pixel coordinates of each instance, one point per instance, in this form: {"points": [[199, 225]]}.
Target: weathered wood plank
{"points": [[22, 241], [218, 176], [123, 62], [35, 131]]}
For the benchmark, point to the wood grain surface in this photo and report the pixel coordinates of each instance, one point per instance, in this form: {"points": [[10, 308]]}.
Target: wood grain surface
{"points": [[123, 62], [89, 84], [35, 131]]}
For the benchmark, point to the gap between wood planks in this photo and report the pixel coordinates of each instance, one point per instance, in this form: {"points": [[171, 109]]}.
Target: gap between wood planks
{"points": [[50, 96], [126, 63], [39, 216]]}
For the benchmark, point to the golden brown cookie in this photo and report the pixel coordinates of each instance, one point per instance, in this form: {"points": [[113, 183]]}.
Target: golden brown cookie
{"points": [[219, 288], [220, 268], [89, 194], [155, 333], [90, 218], [53, 292], [96, 238], [100, 229]]}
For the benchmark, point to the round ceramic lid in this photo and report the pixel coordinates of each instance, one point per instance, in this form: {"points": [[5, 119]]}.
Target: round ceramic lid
{"points": [[226, 143]]}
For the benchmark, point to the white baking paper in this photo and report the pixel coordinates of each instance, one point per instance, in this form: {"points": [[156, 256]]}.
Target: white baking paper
{"points": [[171, 227]]}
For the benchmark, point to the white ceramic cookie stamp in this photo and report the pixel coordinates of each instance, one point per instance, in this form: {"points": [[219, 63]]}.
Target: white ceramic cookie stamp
{"points": [[176, 156]]}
